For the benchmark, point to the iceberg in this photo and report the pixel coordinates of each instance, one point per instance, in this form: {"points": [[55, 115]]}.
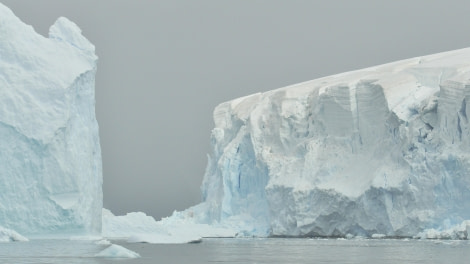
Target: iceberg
{"points": [[51, 175], [383, 150]]}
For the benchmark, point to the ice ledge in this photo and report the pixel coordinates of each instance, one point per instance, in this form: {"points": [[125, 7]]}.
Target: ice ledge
{"points": [[65, 30]]}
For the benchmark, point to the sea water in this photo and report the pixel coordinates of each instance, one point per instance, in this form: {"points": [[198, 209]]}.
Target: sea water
{"points": [[253, 250]]}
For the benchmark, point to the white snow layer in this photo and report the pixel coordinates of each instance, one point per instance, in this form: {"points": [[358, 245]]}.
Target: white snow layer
{"points": [[383, 150], [116, 251], [8, 235], [49, 145]]}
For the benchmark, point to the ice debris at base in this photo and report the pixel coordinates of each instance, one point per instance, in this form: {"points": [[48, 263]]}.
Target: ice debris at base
{"points": [[459, 232], [116, 251], [378, 236], [383, 150], [49, 144], [128, 225], [8, 235], [139, 227]]}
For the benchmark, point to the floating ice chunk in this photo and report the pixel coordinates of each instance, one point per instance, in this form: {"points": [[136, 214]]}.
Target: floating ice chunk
{"points": [[156, 238], [139, 227], [116, 251], [8, 235], [378, 236], [103, 242]]}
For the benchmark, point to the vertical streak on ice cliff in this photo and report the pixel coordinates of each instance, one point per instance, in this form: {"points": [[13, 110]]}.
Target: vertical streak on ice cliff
{"points": [[353, 104]]}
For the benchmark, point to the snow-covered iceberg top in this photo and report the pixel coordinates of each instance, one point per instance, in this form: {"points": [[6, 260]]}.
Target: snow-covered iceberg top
{"points": [[49, 144], [383, 150]]}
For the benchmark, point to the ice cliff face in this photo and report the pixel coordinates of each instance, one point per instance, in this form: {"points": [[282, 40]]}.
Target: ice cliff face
{"points": [[50, 158], [383, 150]]}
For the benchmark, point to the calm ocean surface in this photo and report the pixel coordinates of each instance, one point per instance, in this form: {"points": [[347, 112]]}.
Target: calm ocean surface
{"points": [[272, 250]]}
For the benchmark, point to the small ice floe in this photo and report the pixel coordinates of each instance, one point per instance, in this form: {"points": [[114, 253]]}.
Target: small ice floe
{"points": [[103, 242], [378, 236], [9, 235], [116, 251], [164, 239]]}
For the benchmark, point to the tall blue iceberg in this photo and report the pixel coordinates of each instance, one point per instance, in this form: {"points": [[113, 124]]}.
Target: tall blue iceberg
{"points": [[50, 157]]}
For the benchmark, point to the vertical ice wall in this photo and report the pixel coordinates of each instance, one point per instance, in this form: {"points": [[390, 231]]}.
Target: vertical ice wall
{"points": [[50, 157], [380, 150]]}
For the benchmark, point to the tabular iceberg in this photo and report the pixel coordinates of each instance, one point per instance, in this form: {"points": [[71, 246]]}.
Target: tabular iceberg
{"points": [[383, 150], [50, 157]]}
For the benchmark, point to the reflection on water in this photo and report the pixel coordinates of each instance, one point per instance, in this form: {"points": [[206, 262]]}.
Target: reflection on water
{"points": [[50, 251], [272, 250]]}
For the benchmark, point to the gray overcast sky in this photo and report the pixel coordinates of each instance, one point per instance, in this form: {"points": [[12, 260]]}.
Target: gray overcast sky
{"points": [[164, 66]]}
